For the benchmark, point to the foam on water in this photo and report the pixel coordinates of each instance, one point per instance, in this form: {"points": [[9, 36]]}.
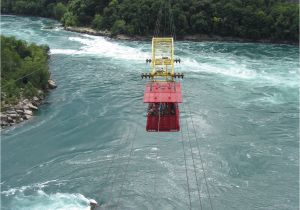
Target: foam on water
{"points": [[233, 69], [100, 46], [33, 197], [41, 200]]}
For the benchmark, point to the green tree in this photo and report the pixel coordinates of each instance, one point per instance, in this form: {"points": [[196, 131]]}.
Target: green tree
{"points": [[254, 19], [59, 10], [98, 22], [69, 19], [118, 27], [199, 23], [24, 68]]}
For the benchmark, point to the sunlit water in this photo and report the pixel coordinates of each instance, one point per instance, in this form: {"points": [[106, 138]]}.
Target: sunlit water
{"points": [[242, 97]]}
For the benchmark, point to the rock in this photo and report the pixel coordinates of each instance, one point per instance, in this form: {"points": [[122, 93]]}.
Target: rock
{"points": [[25, 107], [36, 103], [14, 116], [35, 98], [27, 117], [8, 107], [32, 106], [90, 31], [4, 123], [27, 112], [40, 92], [9, 119], [123, 37], [93, 204], [19, 106], [3, 117], [51, 84], [25, 101], [20, 111], [9, 112]]}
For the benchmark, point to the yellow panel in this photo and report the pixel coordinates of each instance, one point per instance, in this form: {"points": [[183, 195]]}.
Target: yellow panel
{"points": [[162, 64]]}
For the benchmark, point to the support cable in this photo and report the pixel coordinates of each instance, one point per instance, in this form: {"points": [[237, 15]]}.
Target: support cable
{"points": [[155, 172], [165, 16], [115, 175], [194, 165], [23, 76], [186, 171], [157, 25], [202, 165], [126, 169], [109, 168], [157, 148]]}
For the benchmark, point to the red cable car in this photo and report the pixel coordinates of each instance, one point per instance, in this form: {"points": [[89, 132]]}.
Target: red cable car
{"points": [[162, 94]]}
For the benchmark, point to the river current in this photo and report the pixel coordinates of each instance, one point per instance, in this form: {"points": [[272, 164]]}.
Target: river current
{"points": [[89, 141]]}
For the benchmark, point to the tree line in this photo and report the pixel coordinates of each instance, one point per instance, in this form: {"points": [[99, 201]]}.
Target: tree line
{"points": [[276, 20], [24, 69]]}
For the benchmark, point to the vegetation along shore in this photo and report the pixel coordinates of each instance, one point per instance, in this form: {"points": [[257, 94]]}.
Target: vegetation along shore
{"points": [[25, 79], [230, 20]]}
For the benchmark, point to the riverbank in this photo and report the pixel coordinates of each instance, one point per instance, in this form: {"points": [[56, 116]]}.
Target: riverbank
{"points": [[195, 38], [25, 79], [24, 109]]}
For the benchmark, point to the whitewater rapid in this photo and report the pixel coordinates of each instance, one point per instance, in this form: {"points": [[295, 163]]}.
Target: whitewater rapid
{"points": [[243, 99]]}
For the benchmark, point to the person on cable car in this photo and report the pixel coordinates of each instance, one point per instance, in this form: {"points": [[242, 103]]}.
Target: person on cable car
{"points": [[172, 108]]}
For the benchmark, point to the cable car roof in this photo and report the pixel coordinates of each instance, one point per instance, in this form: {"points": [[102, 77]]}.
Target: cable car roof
{"points": [[165, 92]]}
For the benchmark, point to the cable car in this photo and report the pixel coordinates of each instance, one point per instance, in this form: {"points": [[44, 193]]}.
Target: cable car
{"points": [[162, 93]]}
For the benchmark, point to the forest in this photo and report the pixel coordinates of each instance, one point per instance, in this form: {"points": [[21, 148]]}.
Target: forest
{"points": [[24, 69], [251, 19]]}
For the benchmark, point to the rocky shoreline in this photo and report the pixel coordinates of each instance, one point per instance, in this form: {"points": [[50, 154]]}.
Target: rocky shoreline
{"points": [[90, 31], [24, 109], [195, 38]]}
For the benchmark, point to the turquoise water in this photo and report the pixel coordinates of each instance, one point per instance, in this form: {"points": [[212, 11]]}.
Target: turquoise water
{"points": [[89, 141]]}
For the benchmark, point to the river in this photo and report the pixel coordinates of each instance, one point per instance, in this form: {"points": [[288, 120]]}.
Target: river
{"points": [[89, 141]]}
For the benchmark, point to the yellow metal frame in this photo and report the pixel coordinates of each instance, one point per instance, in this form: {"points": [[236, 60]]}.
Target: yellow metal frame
{"points": [[162, 62]]}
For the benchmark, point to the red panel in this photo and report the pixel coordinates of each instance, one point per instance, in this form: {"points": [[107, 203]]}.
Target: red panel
{"points": [[163, 123], [156, 92]]}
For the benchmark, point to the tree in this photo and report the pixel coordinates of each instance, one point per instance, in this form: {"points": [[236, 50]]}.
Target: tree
{"points": [[59, 10], [199, 23], [69, 19], [24, 68], [118, 27], [98, 22]]}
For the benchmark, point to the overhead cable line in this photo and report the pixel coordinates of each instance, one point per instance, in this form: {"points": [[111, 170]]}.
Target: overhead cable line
{"points": [[200, 156], [194, 165], [126, 169], [155, 172], [109, 168], [186, 172], [24, 76]]}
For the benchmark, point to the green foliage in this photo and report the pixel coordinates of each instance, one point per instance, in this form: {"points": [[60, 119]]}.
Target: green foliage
{"points": [[69, 19], [98, 22], [253, 19], [29, 90], [24, 68], [59, 10], [118, 27]]}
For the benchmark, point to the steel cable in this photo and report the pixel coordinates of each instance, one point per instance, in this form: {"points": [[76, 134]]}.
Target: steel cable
{"points": [[194, 165], [200, 156], [186, 172], [126, 169], [109, 168]]}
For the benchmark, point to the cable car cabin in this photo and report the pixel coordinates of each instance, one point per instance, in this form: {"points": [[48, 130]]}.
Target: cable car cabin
{"points": [[162, 93], [163, 117], [163, 111]]}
